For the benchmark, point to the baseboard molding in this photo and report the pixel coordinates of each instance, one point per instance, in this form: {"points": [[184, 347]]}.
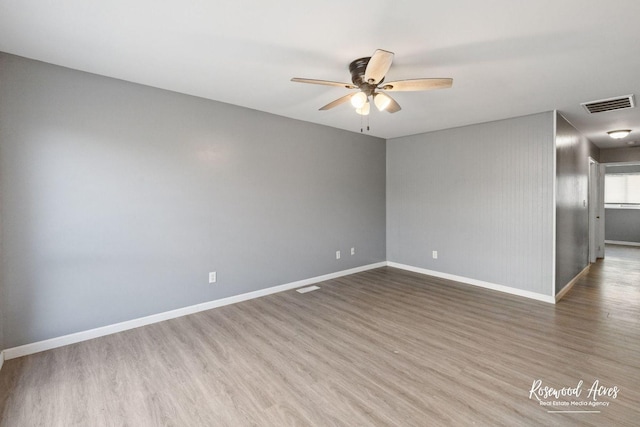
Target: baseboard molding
{"points": [[1, 359], [27, 349], [569, 285], [618, 242], [474, 282]]}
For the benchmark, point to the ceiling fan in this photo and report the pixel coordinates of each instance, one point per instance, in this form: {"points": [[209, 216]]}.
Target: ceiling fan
{"points": [[367, 75]]}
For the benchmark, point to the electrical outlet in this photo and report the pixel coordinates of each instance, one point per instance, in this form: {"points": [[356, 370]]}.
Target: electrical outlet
{"points": [[434, 254], [337, 254], [353, 251], [213, 277]]}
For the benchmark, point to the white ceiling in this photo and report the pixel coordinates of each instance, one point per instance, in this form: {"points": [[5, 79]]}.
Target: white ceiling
{"points": [[507, 58]]}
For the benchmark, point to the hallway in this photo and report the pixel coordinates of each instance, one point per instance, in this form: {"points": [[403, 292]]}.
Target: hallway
{"points": [[611, 287]]}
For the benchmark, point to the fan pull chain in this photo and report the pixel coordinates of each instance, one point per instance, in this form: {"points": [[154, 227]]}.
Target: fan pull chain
{"points": [[362, 123]]}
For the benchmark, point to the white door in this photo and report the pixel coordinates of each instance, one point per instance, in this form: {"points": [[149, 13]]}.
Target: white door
{"points": [[593, 210], [599, 189]]}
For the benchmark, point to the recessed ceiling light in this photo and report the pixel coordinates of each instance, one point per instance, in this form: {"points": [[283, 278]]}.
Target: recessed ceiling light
{"points": [[619, 134]]}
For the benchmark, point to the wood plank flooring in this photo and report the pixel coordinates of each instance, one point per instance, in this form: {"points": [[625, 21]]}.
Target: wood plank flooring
{"points": [[380, 348]]}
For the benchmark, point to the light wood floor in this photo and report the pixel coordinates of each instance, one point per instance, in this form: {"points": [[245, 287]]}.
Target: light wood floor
{"points": [[383, 347]]}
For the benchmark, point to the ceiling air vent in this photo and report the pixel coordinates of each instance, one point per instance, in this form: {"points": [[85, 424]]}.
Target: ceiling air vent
{"points": [[610, 104]]}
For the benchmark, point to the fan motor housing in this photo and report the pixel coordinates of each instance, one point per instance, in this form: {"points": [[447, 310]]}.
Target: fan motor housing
{"points": [[357, 69]]}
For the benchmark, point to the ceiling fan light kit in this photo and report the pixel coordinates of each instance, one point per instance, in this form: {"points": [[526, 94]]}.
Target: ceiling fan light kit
{"points": [[367, 75], [364, 110], [359, 99], [381, 100]]}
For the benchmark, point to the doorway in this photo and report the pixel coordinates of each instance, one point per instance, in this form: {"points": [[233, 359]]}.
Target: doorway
{"points": [[620, 204]]}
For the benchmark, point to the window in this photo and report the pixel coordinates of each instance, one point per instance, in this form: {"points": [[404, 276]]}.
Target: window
{"points": [[622, 189]]}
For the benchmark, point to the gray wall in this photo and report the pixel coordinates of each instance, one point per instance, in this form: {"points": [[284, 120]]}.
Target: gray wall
{"points": [[572, 214], [622, 225], [118, 199], [481, 195], [627, 154], [622, 169], [594, 151]]}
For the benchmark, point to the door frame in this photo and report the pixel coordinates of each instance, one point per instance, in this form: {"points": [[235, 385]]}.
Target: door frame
{"points": [[596, 210]]}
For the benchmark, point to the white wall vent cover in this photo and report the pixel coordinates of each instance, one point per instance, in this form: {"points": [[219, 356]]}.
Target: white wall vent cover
{"points": [[610, 104]]}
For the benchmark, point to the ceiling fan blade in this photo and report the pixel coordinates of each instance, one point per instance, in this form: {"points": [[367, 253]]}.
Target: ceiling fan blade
{"points": [[417, 84], [393, 106], [337, 102], [323, 82], [378, 66]]}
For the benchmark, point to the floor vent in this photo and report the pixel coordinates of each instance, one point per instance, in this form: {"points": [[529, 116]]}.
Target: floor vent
{"points": [[609, 104], [308, 289]]}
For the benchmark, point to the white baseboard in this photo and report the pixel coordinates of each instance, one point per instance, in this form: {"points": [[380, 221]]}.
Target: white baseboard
{"points": [[569, 285], [474, 282], [24, 350], [618, 242], [1, 359]]}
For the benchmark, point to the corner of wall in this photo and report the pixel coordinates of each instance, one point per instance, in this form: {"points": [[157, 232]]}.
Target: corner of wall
{"points": [[594, 151], [441, 185], [571, 220], [2, 297], [554, 190]]}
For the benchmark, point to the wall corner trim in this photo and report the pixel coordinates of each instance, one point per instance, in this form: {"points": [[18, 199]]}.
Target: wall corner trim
{"points": [[474, 282], [554, 203], [36, 347], [573, 281]]}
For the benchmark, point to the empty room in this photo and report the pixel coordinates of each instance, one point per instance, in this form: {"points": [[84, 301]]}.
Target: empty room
{"points": [[331, 214]]}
